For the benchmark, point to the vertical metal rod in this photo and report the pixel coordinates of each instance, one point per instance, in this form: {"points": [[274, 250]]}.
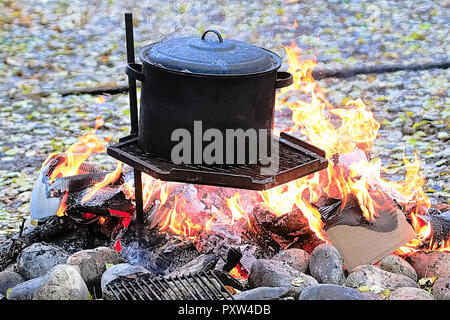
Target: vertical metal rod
{"points": [[141, 297], [134, 115], [131, 82], [138, 197]]}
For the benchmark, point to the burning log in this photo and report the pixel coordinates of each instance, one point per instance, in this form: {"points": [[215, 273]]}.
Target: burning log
{"points": [[102, 204], [75, 197], [203, 262], [438, 219], [290, 230], [440, 224]]}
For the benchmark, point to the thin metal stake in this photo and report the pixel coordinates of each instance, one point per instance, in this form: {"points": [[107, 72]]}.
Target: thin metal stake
{"points": [[131, 82], [138, 197]]}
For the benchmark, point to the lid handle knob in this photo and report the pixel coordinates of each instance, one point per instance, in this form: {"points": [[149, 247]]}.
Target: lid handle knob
{"points": [[216, 32]]}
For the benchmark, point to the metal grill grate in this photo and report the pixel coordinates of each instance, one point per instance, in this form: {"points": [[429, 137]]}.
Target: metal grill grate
{"points": [[296, 159], [198, 286]]}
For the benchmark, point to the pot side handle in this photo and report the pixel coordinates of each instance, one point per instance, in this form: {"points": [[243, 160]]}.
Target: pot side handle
{"points": [[284, 79], [134, 70]]}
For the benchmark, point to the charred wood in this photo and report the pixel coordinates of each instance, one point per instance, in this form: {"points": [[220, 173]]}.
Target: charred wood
{"points": [[61, 231]]}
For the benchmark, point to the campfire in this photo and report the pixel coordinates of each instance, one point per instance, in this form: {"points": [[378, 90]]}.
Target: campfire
{"points": [[199, 227], [298, 214]]}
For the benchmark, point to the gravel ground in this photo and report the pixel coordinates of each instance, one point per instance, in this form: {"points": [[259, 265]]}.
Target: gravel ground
{"points": [[52, 45], [55, 44]]}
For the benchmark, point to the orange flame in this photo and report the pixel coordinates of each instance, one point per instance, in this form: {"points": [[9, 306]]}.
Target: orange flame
{"points": [[107, 180], [77, 153], [340, 131], [63, 206], [237, 212], [239, 272]]}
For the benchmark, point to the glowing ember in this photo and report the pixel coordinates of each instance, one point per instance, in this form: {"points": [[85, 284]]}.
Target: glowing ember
{"points": [[239, 272]]}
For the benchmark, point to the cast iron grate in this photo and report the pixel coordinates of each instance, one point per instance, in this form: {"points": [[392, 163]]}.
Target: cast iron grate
{"points": [[199, 286], [296, 159]]}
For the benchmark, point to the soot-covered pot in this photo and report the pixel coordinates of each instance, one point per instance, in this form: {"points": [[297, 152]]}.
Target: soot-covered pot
{"points": [[224, 83]]}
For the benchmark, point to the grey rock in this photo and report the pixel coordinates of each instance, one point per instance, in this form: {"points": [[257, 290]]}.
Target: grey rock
{"points": [[263, 293], [430, 264], [36, 260], [326, 265], [9, 279], [371, 296], [443, 135], [441, 288], [273, 273], [12, 267], [92, 263], [331, 292], [25, 290], [62, 282], [408, 293], [396, 264], [368, 275], [296, 258], [121, 269], [302, 282], [407, 128]]}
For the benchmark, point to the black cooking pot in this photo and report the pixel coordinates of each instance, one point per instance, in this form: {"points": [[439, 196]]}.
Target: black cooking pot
{"points": [[224, 83]]}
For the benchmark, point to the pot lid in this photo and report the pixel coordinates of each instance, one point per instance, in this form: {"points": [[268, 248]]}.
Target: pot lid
{"points": [[210, 55]]}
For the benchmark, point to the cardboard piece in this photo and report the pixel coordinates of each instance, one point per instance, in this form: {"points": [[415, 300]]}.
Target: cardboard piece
{"points": [[361, 243]]}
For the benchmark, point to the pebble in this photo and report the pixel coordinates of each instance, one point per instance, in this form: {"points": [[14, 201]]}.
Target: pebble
{"points": [[37, 259], [396, 264], [63, 282], [429, 264], [326, 265], [9, 279], [369, 276], [441, 288], [331, 292], [263, 293], [272, 273], [296, 258], [408, 293], [92, 263], [25, 290]]}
